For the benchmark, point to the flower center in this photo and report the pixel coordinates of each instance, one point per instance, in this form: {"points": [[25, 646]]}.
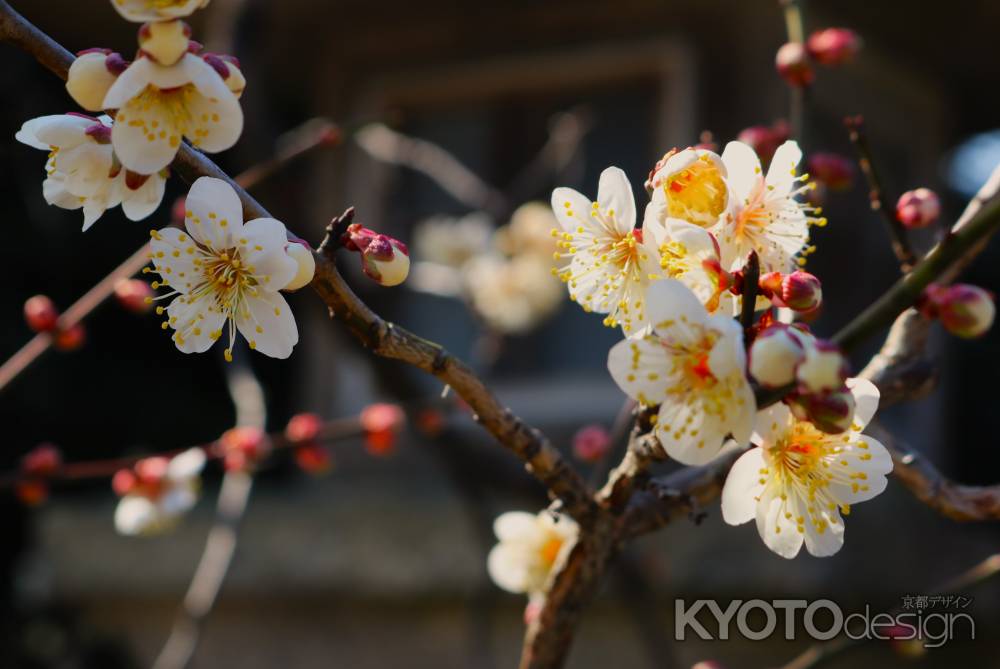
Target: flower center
{"points": [[550, 551], [697, 193]]}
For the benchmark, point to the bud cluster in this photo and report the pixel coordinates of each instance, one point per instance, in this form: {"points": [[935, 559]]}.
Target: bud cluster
{"points": [[304, 431], [37, 467], [242, 448], [42, 316], [830, 47], [382, 424]]}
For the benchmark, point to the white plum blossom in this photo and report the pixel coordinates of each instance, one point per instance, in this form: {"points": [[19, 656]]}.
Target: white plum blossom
{"points": [[160, 105], [513, 295], [224, 272], [799, 482], [690, 254], [141, 11], [155, 504], [692, 364], [764, 215], [82, 170], [689, 185], [530, 545], [610, 262]]}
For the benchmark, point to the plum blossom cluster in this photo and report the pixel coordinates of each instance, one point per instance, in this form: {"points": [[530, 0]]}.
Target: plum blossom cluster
{"points": [[156, 492], [530, 547], [171, 92]]}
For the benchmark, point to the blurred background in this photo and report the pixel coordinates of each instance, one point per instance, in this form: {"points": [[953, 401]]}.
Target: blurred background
{"points": [[382, 562]]}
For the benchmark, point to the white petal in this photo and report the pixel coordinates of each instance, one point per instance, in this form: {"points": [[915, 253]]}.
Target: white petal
{"points": [[214, 213], [55, 193], [215, 113], [828, 541], [130, 83], [743, 487], [264, 250], [727, 356], [670, 300], [143, 201], [172, 259], [135, 515], [146, 137], [866, 397], [268, 324], [614, 192], [743, 167], [688, 432], [186, 465], [571, 209], [509, 569], [781, 173], [86, 168], [778, 531], [516, 526], [92, 211], [178, 501], [62, 130], [639, 367], [194, 323], [141, 11], [771, 424]]}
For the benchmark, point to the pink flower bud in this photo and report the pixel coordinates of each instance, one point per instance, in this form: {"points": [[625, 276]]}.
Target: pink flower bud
{"points": [[591, 443], [964, 310], [123, 482], [918, 208], [242, 448], [150, 472], [228, 68], [303, 427], [800, 291], [832, 170], [765, 140], [792, 63], [71, 338], [824, 369], [833, 46], [775, 354], [381, 423], [831, 412], [383, 259], [313, 458], [41, 314], [134, 295], [42, 462]]}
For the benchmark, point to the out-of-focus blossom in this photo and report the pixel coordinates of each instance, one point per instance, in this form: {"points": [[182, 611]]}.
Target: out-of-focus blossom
{"points": [[157, 492], [529, 546], [71, 338], [382, 424], [134, 295], [41, 314], [832, 170], [793, 65], [964, 310], [303, 427], [765, 140], [313, 458], [222, 271], [243, 448], [799, 481], [833, 46], [591, 443], [156, 10], [918, 208], [694, 366], [452, 241], [513, 295], [529, 231]]}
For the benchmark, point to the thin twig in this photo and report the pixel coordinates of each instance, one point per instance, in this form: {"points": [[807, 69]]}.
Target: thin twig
{"points": [[876, 194]]}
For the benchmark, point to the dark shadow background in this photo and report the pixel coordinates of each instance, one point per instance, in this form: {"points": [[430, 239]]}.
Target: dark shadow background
{"points": [[382, 563]]}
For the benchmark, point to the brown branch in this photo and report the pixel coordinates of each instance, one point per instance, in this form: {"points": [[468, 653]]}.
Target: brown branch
{"points": [[876, 194]]}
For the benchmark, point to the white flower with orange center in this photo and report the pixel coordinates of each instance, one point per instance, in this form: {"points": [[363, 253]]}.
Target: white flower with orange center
{"points": [[82, 172], [692, 364], [690, 254], [800, 482], [610, 262], [160, 105], [156, 10], [222, 272], [766, 215], [689, 185], [530, 546]]}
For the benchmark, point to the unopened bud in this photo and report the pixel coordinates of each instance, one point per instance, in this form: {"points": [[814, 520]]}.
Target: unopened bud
{"points": [[792, 63], [381, 423], [833, 46], [42, 462], [765, 140], [134, 295], [918, 208], [824, 368], [91, 75], [800, 291], [165, 41], [383, 259], [31, 492], [831, 412], [775, 354], [123, 482], [242, 448], [431, 422], [71, 338], [150, 472], [41, 314], [313, 458], [303, 258], [303, 427], [228, 68], [964, 310], [832, 170], [591, 443]]}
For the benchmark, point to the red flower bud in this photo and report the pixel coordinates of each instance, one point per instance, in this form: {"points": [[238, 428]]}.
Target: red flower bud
{"points": [[123, 482], [918, 208], [831, 412], [833, 46], [242, 448], [42, 462], [765, 140], [71, 338], [431, 422], [964, 310], [150, 472], [303, 427], [832, 170], [313, 458], [41, 314], [792, 63], [31, 492], [800, 291], [381, 423], [134, 295], [591, 443]]}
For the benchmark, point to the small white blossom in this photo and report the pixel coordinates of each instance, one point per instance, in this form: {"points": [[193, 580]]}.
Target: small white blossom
{"points": [[82, 172], [141, 11], [690, 254], [765, 215], [221, 272], [693, 365], [155, 506], [160, 105], [799, 481], [530, 545], [689, 185], [610, 262]]}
